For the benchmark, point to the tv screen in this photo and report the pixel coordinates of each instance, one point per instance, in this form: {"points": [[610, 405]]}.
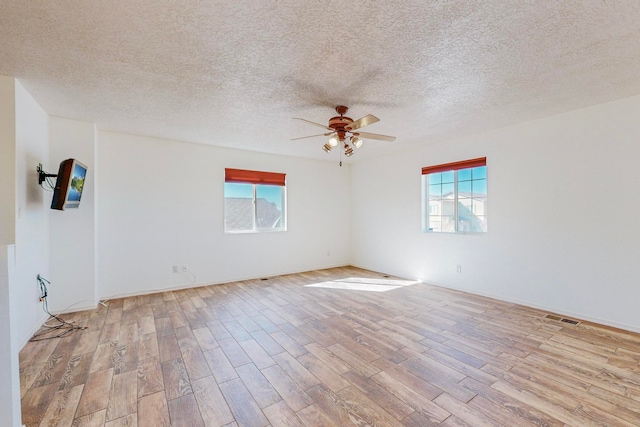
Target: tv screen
{"points": [[69, 185]]}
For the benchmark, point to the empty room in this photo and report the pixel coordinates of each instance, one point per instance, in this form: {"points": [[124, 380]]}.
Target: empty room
{"points": [[319, 213]]}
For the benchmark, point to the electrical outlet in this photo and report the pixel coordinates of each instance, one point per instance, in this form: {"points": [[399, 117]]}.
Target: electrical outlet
{"points": [[174, 268], [458, 268], [184, 268]]}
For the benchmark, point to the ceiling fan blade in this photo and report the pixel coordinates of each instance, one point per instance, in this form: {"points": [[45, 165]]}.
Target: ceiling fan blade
{"points": [[313, 136], [313, 123], [363, 121], [377, 136]]}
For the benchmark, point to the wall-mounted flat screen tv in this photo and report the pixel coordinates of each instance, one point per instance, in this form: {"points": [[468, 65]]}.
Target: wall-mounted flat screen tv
{"points": [[69, 185]]}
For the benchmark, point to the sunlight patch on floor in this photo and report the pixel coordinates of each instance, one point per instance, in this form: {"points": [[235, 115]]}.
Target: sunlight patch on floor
{"points": [[364, 284]]}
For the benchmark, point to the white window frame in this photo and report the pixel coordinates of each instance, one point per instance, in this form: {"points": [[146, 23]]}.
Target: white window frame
{"points": [[254, 202], [426, 208]]}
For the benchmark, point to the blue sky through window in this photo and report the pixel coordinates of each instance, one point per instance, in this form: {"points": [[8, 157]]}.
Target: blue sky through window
{"points": [[233, 190], [272, 193]]}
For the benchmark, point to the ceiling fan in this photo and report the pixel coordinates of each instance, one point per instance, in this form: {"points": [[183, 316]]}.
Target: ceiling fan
{"points": [[343, 129]]}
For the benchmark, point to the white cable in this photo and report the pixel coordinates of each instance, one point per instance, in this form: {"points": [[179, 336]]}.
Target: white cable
{"points": [[191, 273]]}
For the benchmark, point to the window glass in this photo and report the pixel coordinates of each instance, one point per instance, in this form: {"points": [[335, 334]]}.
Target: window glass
{"points": [[238, 207], [254, 207], [269, 206], [435, 178], [479, 172], [464, 189], [464, 175]]}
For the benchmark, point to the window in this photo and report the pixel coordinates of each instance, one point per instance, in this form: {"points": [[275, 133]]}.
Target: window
{"points": [[254, 201], [455, 197]]}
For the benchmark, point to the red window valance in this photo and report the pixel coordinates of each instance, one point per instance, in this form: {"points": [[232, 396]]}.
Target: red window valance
{"points": [[254, 177], [465, 164]]}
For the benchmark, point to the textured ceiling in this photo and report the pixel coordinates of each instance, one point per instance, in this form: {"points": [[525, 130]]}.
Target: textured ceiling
{"points": [[234, 73]]}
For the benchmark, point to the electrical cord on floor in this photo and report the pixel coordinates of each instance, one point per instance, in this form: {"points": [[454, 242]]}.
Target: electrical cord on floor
{"points": [[48, 331]]}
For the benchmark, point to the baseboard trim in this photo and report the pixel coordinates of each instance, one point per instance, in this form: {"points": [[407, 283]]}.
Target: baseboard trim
{"points": [[201, 284]]}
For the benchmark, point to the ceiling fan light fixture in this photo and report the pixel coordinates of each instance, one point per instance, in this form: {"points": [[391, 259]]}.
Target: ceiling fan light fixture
{"points": [[327, 147], [356, 142], [333, 141], [348, 151]]}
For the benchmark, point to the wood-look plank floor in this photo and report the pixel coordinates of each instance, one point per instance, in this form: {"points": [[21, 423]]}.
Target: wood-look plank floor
{"points": [[275, 352]]}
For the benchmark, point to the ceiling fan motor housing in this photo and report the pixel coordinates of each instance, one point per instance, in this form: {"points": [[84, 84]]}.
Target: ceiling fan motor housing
{"points": [[339, 123]]}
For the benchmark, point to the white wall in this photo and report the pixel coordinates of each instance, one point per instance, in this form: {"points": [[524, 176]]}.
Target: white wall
{"points": [[9, 366], [563, 207], [72, 231], [7, 161], [32, 218], [23, 147], [9, 378], [161, 204]]}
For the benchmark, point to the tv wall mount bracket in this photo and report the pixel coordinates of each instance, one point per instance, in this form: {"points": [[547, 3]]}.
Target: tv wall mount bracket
{"points": [[42, 175]]}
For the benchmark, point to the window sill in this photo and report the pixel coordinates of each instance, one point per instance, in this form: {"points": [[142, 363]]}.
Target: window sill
{"points": [[279, 230]]}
